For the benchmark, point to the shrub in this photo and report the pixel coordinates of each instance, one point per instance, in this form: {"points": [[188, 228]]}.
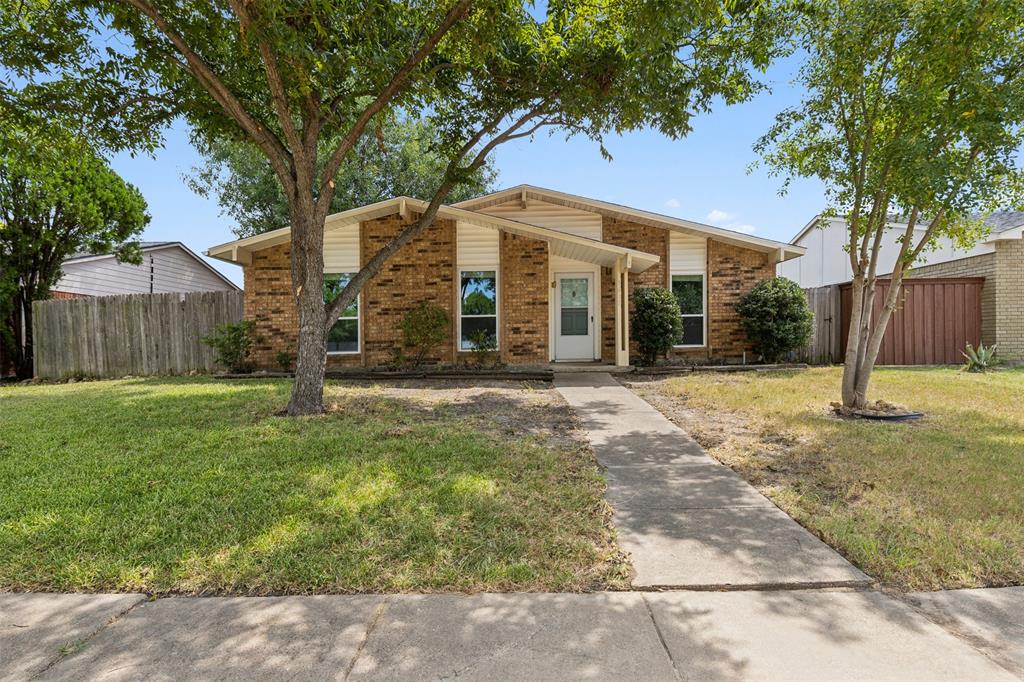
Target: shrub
{"points": [[232, 342], [776, 317], [285, 360], [656, 323], [980, 360], [484, 345], [424, 328]]}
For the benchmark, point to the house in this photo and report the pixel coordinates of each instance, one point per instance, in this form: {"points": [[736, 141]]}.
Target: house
{"points": [[998, 258], [167, 267], [547, 275]]}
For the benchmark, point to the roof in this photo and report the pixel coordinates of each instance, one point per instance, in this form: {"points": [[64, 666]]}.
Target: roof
{"points": [[1000, 223], [84, 257], [561, 243], [606, 208]]}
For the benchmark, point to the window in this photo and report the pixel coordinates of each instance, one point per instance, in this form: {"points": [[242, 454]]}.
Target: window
{"points": [[689, 291], [478, 312], [344, 335]]}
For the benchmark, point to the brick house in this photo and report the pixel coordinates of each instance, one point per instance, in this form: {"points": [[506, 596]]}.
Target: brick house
{"points": [[548, 276]]}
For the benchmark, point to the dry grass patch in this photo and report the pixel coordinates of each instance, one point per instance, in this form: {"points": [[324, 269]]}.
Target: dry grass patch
{"points": [[931, 504], [199, 486]]}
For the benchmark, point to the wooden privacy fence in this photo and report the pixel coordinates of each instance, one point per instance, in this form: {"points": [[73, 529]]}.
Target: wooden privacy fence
{"points": [[824, 347], [138, 334], [933, 322]]}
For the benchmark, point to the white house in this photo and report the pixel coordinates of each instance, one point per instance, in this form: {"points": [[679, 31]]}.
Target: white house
{"points": [[167, 267]]}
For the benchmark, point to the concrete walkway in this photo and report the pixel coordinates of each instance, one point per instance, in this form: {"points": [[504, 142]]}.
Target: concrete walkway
{"points": [[785, 635], [687, 520]]}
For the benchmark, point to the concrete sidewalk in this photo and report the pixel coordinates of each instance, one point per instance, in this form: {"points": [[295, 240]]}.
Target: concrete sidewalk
{"points": [[687, 520], [792, 635]]}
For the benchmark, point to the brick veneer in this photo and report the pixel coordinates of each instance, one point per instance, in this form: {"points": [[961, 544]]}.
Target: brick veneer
{"points": [[524, 299], [732, 271], [423, 270]]}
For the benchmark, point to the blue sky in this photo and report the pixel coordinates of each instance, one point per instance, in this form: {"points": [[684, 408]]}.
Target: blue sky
{"points": [[701, 177]]}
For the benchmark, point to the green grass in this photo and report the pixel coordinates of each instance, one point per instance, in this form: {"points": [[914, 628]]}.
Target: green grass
{"points": [[927, 505], [199, 486]]}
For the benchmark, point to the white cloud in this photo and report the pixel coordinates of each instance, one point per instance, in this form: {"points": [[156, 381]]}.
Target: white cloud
{"points": [[717, 216], [673, 203]]}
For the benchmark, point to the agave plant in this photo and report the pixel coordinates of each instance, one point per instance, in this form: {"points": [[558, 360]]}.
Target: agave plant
{"points": [[981, 359]]}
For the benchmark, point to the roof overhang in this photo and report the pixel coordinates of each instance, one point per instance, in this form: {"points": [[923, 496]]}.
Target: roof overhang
{"points": [[560, 243], [781, 251]]}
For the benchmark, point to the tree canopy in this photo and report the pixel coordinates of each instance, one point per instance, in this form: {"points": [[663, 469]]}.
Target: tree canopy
{"points": [[913, 108], [58, 196], [305, 82], [400, 162]]}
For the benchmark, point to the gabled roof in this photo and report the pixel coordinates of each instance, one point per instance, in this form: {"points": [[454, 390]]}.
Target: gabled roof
{"points": [[1001, 224], [523, 192], [560, 243], [148, 247]]}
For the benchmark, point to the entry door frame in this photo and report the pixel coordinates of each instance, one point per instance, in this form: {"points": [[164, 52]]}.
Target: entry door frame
{"points": [[568, 269]]}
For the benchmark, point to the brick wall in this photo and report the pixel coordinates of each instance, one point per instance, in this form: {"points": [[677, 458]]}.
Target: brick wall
{"points": [[1010, 299], [633, 236], [269, 301], [524, 300], [423, 270], [732, 271], [975, 266]]}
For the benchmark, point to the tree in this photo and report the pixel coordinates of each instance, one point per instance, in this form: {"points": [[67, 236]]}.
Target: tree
{"points": [[913, 113], [657, 322], [57, 197], [776, 317], [305, 82], [399, 163]]}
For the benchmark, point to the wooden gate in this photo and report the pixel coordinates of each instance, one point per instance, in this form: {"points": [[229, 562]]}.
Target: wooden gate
{"points": [[933, 322]]}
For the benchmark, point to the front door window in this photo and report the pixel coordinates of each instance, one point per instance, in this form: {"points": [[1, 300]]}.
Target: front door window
{"points": [[575, 307]]}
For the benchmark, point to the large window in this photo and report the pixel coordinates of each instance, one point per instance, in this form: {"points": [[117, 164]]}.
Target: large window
{"points": [[344, 336], [478, 312], [689, 292]]}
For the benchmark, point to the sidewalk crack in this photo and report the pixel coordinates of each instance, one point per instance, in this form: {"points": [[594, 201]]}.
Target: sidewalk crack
{"points": [[84, 641], [378, 614], [661, 638]]}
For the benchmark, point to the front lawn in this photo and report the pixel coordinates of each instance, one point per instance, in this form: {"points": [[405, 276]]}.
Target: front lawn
{"points": [[199, 486], [927, 505]]}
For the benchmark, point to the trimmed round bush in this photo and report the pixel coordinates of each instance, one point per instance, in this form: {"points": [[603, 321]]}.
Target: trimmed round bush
{"points": [[656, 323], [776, 317]]}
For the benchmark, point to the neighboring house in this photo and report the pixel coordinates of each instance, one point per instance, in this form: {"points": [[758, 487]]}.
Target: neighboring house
{"points": [[167, 267], [998, 257], [548, 276]]}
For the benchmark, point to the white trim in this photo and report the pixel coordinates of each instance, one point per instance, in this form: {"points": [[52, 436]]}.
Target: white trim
{"points": [[497, 307], [358, 318], [607, 208], [704, 312]]}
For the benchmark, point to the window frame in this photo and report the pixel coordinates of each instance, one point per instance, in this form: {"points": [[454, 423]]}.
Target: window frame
{"points": [[358, 318], [497, 307], [703, 303]]}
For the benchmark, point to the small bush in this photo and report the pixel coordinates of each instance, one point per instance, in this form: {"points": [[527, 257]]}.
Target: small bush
{"points": [[776, 317], [232, 342], [656, 323], [484, 345], [980, 360], [424, 328], [285, 360]]}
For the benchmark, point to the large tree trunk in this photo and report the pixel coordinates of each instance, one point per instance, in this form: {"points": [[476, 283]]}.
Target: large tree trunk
{"points": [[307, 283], [851, 361], [865, 339]]}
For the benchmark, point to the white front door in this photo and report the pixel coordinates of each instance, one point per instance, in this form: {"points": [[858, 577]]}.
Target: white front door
{"points": [[574, 316]]}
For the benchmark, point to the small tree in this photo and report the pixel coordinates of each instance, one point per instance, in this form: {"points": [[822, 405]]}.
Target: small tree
{"points": [[424, 328], [656, 324], [776, 317], [233, 343], [58, 196]]}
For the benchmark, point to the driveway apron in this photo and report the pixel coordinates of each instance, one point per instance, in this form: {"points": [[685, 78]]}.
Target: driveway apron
{"points": [[687, 520]]}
